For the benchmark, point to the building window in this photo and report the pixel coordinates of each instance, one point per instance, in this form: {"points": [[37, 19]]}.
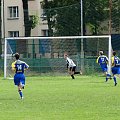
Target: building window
{"points": [[13, 12], [13, 33], [43, 15], [44, 32]]}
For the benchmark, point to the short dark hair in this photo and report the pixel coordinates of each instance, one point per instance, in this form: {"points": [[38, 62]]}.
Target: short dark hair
{"points": [[17, 56], [114, 53]]}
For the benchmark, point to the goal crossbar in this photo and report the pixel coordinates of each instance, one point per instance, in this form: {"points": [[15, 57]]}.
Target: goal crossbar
{"points": [[60, 37]]}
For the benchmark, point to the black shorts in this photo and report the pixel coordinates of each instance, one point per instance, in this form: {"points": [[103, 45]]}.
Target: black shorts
{"points": [[72, 69]]}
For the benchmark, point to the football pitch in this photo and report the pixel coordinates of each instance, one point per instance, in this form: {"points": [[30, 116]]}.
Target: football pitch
{"points": [[61, 98]]}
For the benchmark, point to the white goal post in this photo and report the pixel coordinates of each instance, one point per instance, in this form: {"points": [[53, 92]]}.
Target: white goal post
{"points": [[62, 37]]}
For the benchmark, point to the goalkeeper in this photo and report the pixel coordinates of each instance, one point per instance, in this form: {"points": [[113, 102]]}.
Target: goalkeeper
{"points": [[19, 78], [71, 66]]}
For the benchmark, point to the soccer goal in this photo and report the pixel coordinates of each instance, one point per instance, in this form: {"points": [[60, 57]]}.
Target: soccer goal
{"points": [[45, 55]]}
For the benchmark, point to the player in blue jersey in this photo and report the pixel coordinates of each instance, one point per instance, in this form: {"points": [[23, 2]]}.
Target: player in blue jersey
{"points": [[102, 60], [71, 66], [115, 67], [19, 78]]}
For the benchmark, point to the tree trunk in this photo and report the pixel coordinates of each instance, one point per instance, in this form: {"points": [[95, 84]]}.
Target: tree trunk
{"points": [[27, 33], [26, 19]]}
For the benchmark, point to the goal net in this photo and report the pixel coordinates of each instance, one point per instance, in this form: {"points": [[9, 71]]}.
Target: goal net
{"points": [[45, 55]]}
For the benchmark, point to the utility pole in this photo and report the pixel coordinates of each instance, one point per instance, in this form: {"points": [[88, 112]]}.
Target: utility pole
{"points": [[110, 17], [0, 20], [110, 32], [82, 49]]}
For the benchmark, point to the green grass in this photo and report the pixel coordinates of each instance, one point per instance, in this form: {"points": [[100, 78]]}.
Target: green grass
{"points": [[61, 98]]}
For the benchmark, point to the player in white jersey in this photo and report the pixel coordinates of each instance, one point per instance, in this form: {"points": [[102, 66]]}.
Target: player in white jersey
{"points": [[71, 66]]}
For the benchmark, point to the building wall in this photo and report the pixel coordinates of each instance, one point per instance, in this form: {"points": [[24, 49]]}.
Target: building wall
{"points": [[17, 24], [35, 9]]}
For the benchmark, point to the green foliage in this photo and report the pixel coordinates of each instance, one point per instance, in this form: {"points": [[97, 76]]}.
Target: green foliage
{"points": [[116, 15], [69, 22], [95, 14], [34, 20], [65, 20], [65, 16]]}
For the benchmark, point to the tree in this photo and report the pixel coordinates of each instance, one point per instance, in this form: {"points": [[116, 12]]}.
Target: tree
{"points": [[27, 27], [115, 8], [0, 21], [47, 5], [95, 14], [30, 22], [58, 17], [26, 19], [64, 16]]}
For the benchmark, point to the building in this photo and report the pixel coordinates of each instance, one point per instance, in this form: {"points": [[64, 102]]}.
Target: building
{"points": [[13, 24], [13, 18]]}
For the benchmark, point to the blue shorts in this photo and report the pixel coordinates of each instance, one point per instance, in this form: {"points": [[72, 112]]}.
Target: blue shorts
{"points": [[104, 68], [116, 70], [19, 79]]}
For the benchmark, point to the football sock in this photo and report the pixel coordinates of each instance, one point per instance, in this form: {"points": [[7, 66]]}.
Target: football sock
{"points": [[106, 79], [108, 76], [72, 76], [115, 81], [20, 93]]}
